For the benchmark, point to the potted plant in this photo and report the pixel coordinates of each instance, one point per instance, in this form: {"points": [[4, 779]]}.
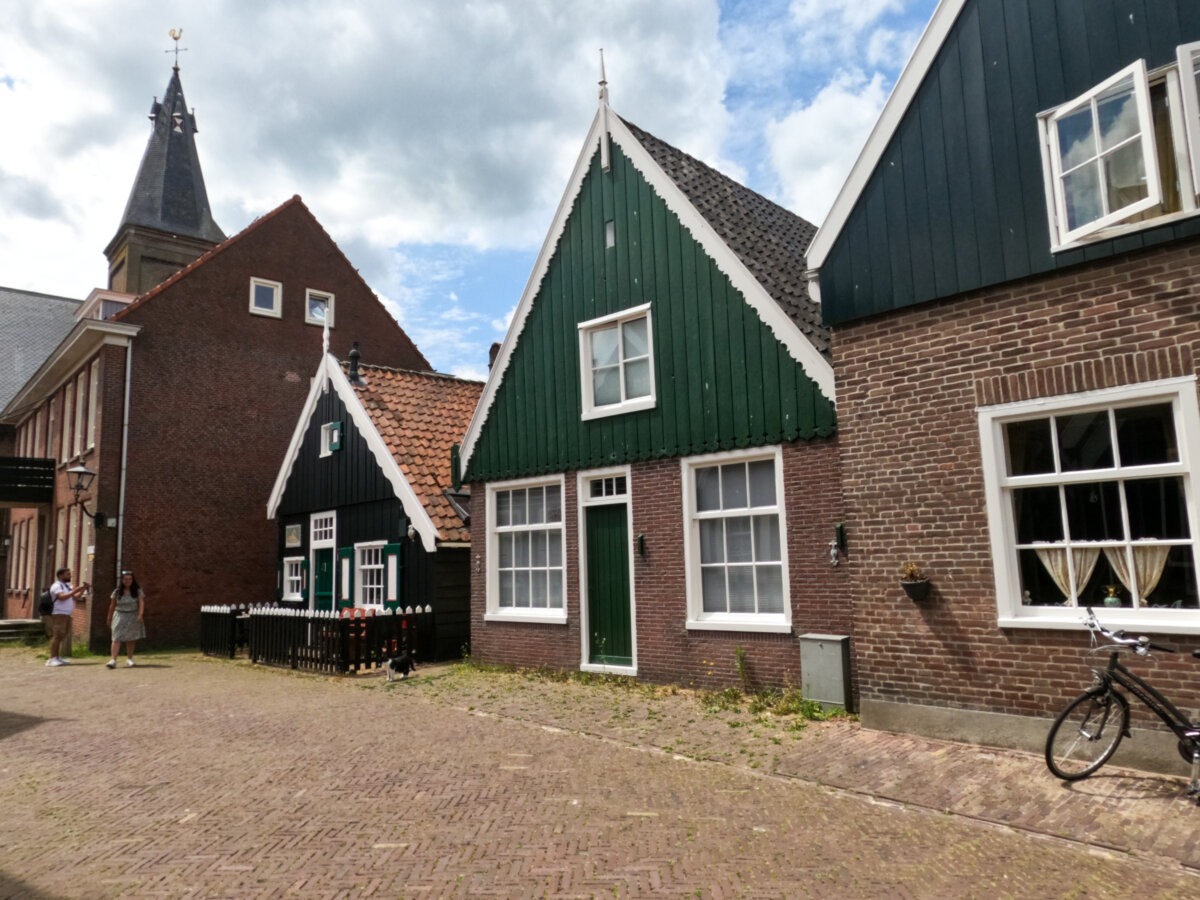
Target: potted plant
{"points": [[914, 581]]}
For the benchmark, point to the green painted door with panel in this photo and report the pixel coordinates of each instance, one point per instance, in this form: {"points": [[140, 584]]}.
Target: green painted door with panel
{"points": [[610, 620]]}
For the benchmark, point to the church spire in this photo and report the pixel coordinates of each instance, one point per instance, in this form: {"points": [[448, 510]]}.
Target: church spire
{"points": [[167, 221]]}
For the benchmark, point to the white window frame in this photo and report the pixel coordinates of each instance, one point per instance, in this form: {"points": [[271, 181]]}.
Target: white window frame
{"points": [[276, 310], [697, 618], [360, 593], [80, 413], [67, 419], [1011, 613], [586, 329], [1186, 56], [331, 433], [309, 294], [93, 401], [496, 613], [293, 575]]}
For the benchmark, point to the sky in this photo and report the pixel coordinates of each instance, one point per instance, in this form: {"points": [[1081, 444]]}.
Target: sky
{"points": [[433, 139]]}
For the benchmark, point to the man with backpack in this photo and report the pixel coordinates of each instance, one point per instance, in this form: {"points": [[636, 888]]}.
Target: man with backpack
{"points": [[60, 615]]}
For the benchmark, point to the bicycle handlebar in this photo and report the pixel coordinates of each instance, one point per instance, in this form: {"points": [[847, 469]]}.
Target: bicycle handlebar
{"points": [[1140, 645]]}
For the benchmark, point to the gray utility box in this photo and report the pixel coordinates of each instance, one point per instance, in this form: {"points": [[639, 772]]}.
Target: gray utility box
{"points": [[825, 669]]}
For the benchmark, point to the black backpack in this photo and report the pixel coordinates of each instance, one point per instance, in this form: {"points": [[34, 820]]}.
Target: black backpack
{"points": [[46, 603]]}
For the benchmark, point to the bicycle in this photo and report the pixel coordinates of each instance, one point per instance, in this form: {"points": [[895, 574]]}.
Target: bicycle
{"points": [[1086, 734]]}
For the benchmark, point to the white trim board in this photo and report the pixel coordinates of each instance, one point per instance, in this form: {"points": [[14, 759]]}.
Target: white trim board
{"points": [[330, 372], [816, 366], [897, 104]]}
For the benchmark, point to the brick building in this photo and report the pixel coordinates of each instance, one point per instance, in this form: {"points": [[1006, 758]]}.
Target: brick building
{"points": [[653, 460], [180, 393], [1011, 277]]}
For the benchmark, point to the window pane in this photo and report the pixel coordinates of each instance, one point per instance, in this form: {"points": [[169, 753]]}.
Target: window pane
{"points": [[1176, 588], [503, 508], [606, 386], [1116, 112], [708, 488], [1157, 508], [1076, 138], [637, 379], [1038, 587], [635, 338], [1037, 514], [1081, 189], [1084, 441], [537, 549], [1030, 451], [264, 296], [766, 539], [737, 539], [521, 588], [538, 586], [554, 548], [554, 593], [1125, 176], [537, 506], [712, 582], [553, 503], [733, 486], [506, 588], [597, 487], [506, 552], [762, 482], [712, 541], [604, 347], [621, 487], [1146, 435], [1094, 511], [770, 588], [316, 308], [741, 589], [518, 507], [521, 549]]}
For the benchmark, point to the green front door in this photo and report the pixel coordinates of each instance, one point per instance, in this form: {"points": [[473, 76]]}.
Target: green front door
{"points": [[610, 632], [323, 578]]}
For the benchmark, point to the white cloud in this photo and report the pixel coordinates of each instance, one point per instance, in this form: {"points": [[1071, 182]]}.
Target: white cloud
{"points": [[501, 325], [814, 147]]}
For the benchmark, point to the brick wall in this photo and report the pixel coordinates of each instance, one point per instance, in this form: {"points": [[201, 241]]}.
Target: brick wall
{"points": [[666, 650], [908, 387]]}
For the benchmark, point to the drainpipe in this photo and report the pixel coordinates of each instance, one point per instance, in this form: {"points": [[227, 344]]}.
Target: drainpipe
{"points": [[124, 459]]}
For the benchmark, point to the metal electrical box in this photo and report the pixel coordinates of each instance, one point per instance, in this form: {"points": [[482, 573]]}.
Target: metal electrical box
{"points": [[825, 669]]}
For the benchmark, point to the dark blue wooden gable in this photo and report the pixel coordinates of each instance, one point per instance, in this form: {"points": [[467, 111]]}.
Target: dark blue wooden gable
{"points": [[957, 200], [347, 476]]}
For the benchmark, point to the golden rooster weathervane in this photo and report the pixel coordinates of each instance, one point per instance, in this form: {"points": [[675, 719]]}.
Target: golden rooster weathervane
{"points": [[176, 34]]}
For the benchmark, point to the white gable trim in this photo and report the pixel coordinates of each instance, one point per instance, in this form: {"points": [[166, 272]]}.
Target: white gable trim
{"points": [[785, 330], [893, 112], [330, 372]]}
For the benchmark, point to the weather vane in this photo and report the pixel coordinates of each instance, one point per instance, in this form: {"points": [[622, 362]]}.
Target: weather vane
{"points": [[176, 34]]}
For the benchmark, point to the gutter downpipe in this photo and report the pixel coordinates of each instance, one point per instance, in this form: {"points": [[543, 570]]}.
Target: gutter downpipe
{"points": [[124, 459]]}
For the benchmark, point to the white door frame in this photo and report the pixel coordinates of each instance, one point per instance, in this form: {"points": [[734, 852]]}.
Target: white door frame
{"points": [[313, 546], [583, 500]]}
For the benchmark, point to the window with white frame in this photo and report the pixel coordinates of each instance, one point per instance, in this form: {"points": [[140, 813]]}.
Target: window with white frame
{"points": [[525, 551], [1125, 154], [93, 390], [617, 363], [68, 400], [80, 413], [736, 538], [293, 578], [266, 297], [331, 438], [318, 307], [369, 566], [1089, 504], [322, 528]]}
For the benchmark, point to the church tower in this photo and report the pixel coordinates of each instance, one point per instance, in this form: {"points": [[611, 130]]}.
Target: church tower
{"points": [[167, 222]]}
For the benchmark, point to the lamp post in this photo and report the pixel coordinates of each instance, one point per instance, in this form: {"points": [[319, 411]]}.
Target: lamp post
{"points": [[80, 479]]}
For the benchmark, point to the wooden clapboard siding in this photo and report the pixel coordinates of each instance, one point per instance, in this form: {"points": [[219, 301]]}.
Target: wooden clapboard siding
{"points": [[957, 200], [722, 379]]}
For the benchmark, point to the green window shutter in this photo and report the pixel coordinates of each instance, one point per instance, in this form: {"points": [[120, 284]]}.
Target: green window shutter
{"points": [[335, 435], [305, 590], [393, 576], [345, 578]]}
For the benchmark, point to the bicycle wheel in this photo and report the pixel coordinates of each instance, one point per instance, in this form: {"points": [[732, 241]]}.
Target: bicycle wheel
{"points": [[1086, 734]]}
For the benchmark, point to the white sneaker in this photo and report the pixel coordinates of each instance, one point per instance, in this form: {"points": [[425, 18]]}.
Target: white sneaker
{"points": [[129, 662], [111, 664], [63, 662], [55, 661]]}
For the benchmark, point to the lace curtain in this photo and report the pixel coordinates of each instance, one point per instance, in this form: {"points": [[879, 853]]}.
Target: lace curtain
{"points": [[1148, 561], [1054, 559]]}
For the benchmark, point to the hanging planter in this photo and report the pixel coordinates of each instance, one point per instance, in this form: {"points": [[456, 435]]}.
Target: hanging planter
{"points": [[915, 582]]}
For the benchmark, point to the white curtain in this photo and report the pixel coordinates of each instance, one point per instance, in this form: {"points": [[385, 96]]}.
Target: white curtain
{"points": [[1054, 560], [1149, 561]]}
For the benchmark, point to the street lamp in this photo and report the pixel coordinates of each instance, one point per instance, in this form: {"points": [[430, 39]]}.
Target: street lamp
{"points": [[80, 479]]}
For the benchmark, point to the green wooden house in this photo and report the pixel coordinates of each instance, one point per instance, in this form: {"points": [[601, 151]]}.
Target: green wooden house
{"points": [[653, 458]]}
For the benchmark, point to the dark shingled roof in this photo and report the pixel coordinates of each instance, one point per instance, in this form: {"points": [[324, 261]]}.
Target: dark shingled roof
{"points": [[766, 237], [168, 193], [31, 326]]}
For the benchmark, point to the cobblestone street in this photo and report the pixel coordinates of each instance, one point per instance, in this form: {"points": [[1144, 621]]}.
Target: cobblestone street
{"points": [[187, 777]]}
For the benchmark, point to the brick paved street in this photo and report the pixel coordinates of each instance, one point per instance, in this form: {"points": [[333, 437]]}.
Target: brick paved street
{"points": [[188, 777]]}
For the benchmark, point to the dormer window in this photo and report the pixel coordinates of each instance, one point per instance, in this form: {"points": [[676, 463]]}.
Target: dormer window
{"points": [[617, 363], [266, 297], [331, 438], [318, 308]]}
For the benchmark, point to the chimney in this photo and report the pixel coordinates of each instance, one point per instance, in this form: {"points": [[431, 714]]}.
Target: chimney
{"points": [[354, 357], [495, 349]]}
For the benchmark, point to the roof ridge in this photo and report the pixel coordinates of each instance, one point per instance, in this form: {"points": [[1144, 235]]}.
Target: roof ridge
{"points": [[42, 294], [423, 373]]}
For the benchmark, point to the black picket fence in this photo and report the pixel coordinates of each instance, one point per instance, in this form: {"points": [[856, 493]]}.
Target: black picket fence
{"points": [[324, 641]]}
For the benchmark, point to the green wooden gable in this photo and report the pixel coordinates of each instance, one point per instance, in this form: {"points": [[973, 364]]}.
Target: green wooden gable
{"points": [[722, 377]]}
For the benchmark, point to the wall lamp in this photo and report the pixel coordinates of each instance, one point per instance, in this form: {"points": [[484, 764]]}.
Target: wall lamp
{"points": [[79, 480]]}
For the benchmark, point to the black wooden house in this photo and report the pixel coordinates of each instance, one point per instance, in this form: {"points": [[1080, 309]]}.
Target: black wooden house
{"points": [[366, 510]]}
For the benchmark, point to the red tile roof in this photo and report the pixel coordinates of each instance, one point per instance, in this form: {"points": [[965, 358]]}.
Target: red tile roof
{"points": [[420, 415]]}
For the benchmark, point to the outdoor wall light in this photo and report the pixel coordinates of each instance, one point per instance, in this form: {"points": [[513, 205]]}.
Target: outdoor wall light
{"points": [[80, 479]]}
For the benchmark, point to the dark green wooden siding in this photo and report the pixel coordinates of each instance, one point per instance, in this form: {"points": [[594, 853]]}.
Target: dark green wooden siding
{"points": [[722, 379], [957, 200]]}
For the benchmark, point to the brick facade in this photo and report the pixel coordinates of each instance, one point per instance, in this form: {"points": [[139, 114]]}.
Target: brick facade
{"points": [[667, 651], [909, 383]]}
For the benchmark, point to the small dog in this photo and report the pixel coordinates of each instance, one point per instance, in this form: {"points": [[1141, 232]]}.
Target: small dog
{"points": [[402, 664]]}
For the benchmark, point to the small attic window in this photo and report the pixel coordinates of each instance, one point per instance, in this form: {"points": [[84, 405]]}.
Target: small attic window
{"points": [[266, 297], [610, 234], [331, 438], [318, 307]]}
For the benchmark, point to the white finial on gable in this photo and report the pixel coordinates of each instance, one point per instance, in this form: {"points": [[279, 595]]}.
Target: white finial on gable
{"points": [[604, 158]]}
